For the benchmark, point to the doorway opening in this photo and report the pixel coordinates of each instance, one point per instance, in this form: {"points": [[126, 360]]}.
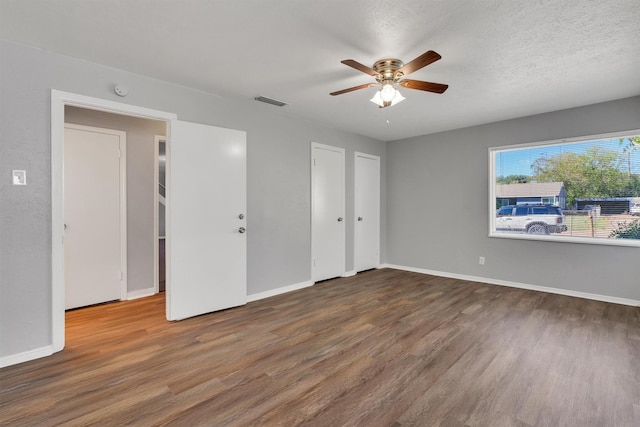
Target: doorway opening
{"points": [[206, 242], [63, 106], [160, 203]]}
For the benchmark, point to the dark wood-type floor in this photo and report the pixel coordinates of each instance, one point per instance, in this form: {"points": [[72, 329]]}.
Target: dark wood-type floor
{"points": [[383, 348]]}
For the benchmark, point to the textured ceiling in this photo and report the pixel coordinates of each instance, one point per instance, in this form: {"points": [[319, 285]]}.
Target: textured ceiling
{"points": [[502, 59]]}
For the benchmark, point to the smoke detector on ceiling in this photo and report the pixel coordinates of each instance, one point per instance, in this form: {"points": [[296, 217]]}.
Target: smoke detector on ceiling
{"points": [[121, 90]]}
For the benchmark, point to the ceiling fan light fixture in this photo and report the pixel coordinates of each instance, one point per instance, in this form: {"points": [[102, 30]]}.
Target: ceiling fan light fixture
{"points": [[397, 98], [379, 100], [388, 92]]}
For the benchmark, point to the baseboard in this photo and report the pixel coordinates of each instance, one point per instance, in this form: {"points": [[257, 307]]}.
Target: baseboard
{"points": [[141, 293], [349, 273], [26, 356], [566, 292], [278, 291]]}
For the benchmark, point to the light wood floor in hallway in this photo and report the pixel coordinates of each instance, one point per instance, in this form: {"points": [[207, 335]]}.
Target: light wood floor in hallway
{"points": [[382, 348]]}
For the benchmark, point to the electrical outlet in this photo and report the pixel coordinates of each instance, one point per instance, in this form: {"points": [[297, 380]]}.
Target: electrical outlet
{"points": [[481, 260]]}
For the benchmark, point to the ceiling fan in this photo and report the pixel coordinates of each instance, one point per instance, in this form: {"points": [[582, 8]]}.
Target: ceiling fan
{"points": [[391, 72]]}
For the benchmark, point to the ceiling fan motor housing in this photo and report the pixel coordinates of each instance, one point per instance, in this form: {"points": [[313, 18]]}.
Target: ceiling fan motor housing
{"points": [[387, 70]]}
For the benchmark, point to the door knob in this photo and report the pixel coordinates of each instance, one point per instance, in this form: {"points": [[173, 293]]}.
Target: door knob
{"points": [[241, 216], [359, 218], [339, 219], [241, 230]]}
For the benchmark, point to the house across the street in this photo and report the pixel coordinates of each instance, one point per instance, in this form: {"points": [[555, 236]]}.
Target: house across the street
{"points": [[550, 193]]}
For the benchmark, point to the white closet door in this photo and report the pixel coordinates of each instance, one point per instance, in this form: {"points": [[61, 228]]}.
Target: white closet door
{"points": [[206, 220], [367, 211], [94, 215], [327, 217]]}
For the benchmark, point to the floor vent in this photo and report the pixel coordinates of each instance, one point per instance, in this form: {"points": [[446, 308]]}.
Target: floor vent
{"points": [[270, 101]]}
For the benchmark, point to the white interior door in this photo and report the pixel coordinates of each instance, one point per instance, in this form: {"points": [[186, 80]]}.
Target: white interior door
{"points": [[327, 212], [206, 207], [94, 215], [367, 211]]}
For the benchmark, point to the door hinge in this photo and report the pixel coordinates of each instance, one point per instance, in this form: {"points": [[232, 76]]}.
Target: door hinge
{"points": [[119, 154], [314, 162], [121, 275]]}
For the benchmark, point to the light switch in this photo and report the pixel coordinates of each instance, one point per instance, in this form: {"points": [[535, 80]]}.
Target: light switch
{"points": [[19, 177]]}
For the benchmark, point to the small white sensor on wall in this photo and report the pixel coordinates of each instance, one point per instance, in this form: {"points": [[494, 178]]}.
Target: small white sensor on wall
{"points": [[19, 177]]}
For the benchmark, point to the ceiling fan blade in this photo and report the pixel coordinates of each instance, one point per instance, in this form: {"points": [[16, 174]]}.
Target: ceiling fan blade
{"points": [[421, 61], [360, 67], [426, 86], [351, 89]]}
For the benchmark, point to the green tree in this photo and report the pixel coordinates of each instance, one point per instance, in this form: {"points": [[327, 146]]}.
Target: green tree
{"points": [[594, 173], [513, 179], [629, 144]]}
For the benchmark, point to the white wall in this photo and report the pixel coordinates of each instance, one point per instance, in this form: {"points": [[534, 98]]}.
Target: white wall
{"points": [[278, 179], [437, 207]]}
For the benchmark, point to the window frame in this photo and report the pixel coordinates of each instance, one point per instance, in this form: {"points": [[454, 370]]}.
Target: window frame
{"points": [[547, 200], [635, 243]]}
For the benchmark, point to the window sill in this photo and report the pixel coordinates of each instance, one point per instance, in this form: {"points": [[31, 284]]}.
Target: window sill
{"points": [[634, 243]]}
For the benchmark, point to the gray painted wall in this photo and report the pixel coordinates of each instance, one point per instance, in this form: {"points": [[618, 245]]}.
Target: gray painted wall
{"points": [[426, 227], [140, 157], [278, 179], [437, 207]]}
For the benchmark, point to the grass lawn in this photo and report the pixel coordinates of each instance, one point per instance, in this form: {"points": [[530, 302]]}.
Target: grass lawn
{"points": [[582, 222]]}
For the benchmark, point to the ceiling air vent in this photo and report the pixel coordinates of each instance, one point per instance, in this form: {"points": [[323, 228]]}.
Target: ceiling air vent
{"points": [[270, 101]]}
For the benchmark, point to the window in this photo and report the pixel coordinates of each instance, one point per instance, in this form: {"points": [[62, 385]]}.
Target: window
{"points": [[548, 200], [521, 210], [584, 190]]}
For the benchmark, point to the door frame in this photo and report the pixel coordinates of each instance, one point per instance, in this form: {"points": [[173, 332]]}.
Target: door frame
{"points": [[343, 239], [355, 197], [123, 196], [59, 100]]}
